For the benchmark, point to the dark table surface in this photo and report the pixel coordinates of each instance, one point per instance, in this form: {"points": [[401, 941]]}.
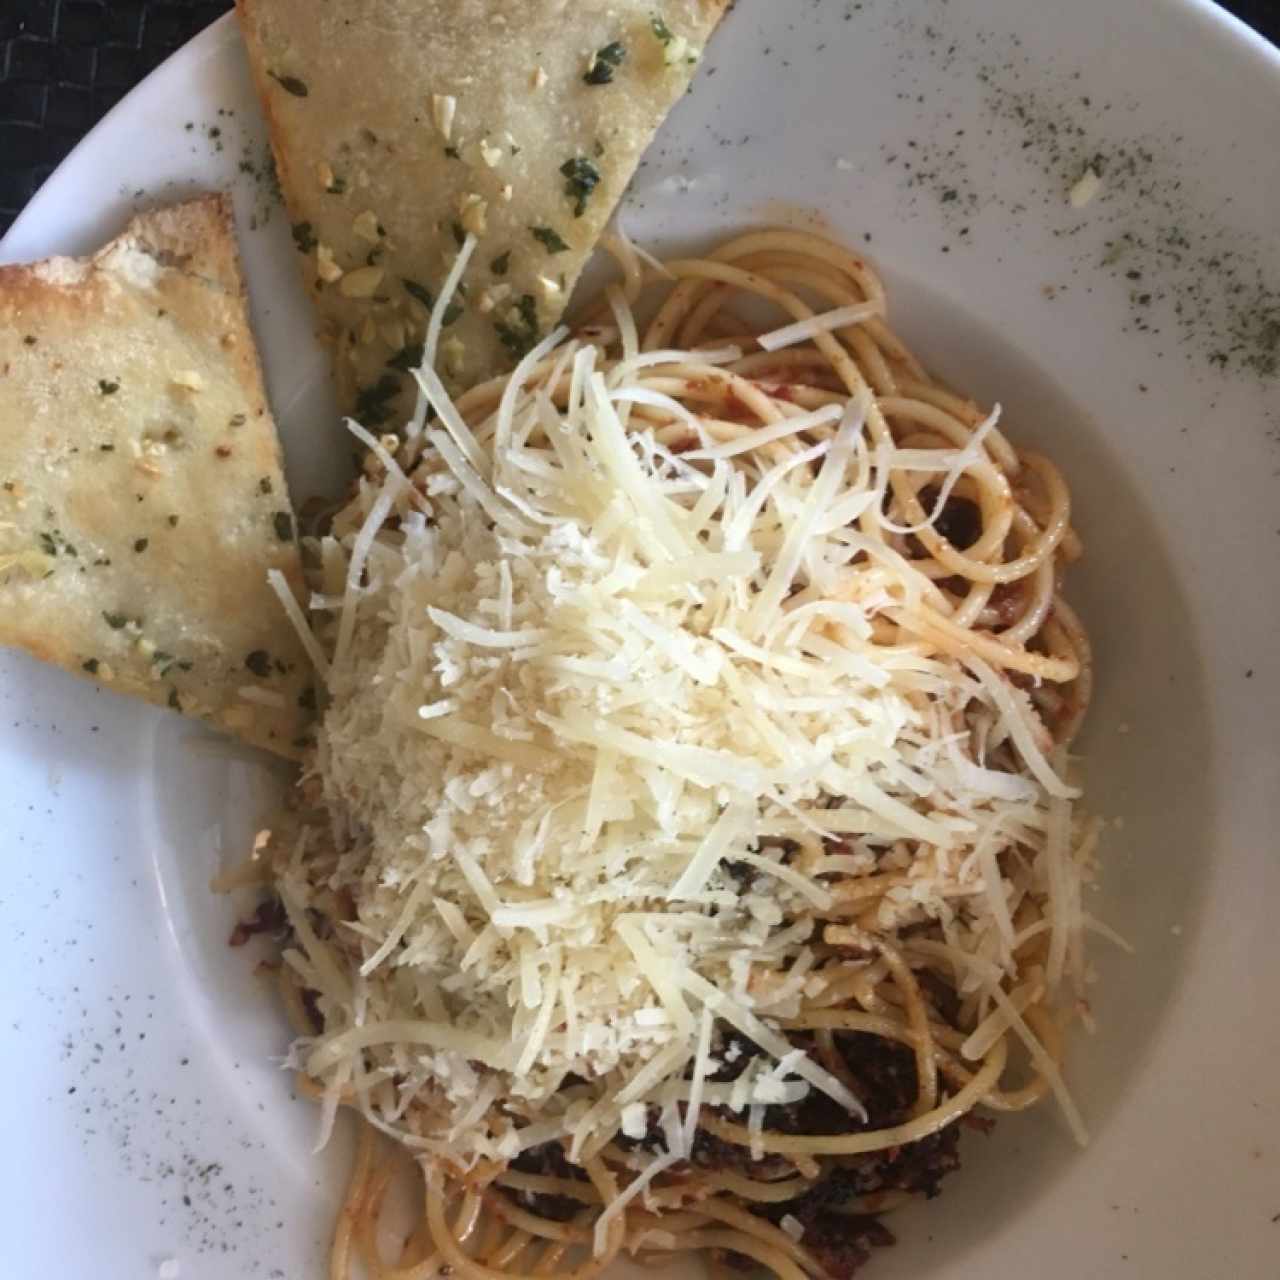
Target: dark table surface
{"points": [[63, 63]]}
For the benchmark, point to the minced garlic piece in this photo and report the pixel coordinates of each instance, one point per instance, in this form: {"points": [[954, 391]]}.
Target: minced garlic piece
{"points": [[472, 212], [366, 226], [444, 107], [326, 268], [453, 352], [363, 282]]}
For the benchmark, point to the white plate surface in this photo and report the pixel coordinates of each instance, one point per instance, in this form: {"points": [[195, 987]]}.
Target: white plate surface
{"points": [[144, 1119]]}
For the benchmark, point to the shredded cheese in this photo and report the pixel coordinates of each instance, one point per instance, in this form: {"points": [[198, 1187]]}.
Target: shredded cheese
{"points": [[805, 330], [581, 687]]}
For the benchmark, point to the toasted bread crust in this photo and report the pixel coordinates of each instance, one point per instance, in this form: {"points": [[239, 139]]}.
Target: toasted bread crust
{"points": [[142, 497], [399, 126]]}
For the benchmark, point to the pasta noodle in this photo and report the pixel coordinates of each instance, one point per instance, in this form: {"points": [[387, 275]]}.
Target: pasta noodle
{"points": [[920, 989]]}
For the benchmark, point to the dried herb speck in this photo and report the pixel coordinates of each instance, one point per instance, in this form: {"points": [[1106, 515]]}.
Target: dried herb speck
{"points": [[420, 293], [259, 662], [581, 179], [549, 238], [519, 333], [373, 403], [604, 63], [408, 358], [291, 84]]}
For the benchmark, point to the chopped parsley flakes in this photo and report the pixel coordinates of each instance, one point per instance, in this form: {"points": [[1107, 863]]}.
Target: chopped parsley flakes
{"points": [[605, 62], [519, 332], [581, 179], [259, 662], [54, 544], [408, 358], [549, 238], [303, 236], [373, 403], [291, 84], [420, 293]]}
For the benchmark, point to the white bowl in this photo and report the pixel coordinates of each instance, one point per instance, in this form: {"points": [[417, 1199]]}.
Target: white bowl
{"points": [[945, 140]]}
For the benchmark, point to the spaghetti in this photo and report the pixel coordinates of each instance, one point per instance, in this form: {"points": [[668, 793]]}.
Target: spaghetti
{"points": [[833, 633]]}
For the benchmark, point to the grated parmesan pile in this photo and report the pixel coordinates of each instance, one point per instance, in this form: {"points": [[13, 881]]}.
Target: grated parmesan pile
{"points": [[609, 728]]}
